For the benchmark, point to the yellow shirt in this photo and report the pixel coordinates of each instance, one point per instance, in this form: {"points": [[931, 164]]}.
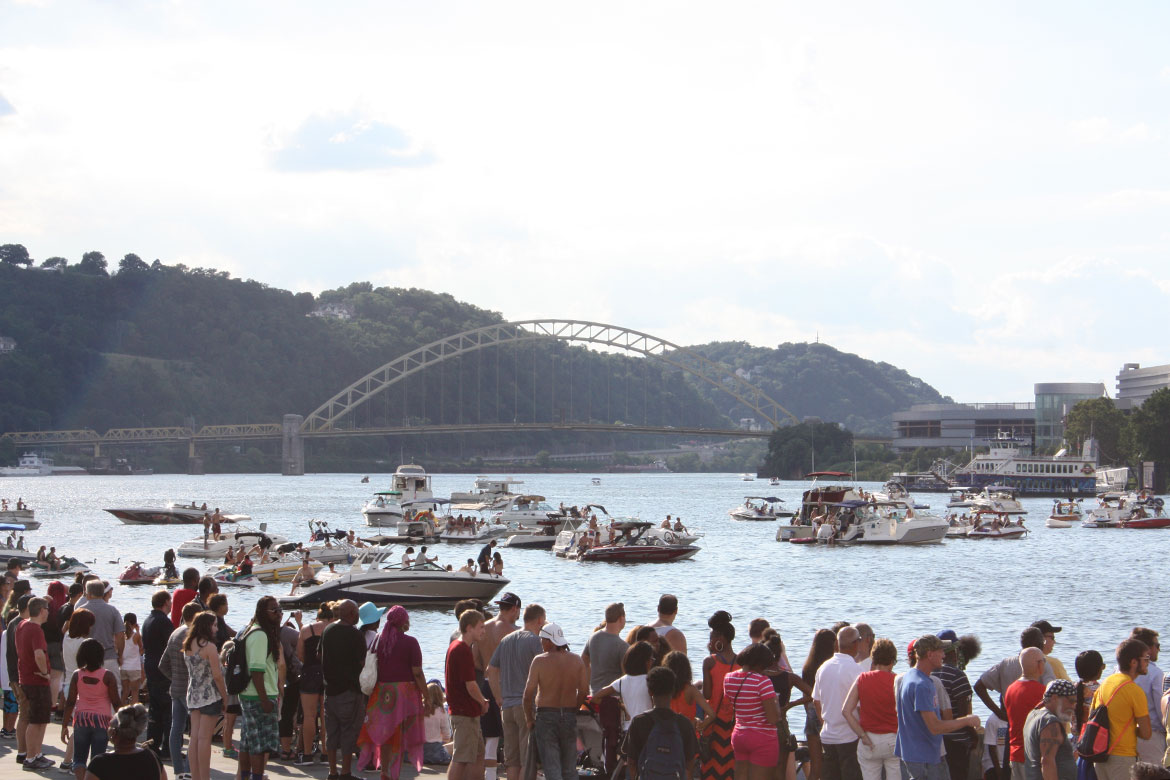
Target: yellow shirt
{"points": [[1057, 668], [1125, 708]]}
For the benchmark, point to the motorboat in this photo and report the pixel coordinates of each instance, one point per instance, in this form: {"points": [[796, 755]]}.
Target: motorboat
{"points": [[14, 546], [174, 513], [1000, 500], [747, 477], [595, 481], [764, 508], [1127, 510], [774, 481], [232, 577], [217, 548], [962, 498], [958, 526], [997, 525], [19, 513], [525, 510], [138, 574], [281, 569], [426, 585], [64, 567], [1064, 513], [487, 490], [410, 484], [895, 521], [473, 528], [326, 544], [634, 545], [818, 503]]}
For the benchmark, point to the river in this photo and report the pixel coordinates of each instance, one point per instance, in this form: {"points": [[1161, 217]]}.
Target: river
{"points": [[1071, 577]]}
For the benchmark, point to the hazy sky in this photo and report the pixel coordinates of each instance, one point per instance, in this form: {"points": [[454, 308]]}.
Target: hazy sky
{"points": [[979, 194]]}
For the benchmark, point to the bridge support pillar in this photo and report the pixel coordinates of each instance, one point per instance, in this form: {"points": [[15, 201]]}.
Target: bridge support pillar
{"points": [[292, 446]]}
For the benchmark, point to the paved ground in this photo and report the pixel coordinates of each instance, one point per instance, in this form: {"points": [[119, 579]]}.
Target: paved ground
{"points": [[221, 768]]}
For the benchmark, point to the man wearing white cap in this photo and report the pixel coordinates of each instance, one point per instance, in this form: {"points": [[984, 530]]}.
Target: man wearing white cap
{"points": [[557, 687]]}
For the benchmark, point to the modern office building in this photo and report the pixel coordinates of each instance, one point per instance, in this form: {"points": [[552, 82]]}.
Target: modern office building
{"points": [[1135, 384], [973, 425], [1054, 400]]}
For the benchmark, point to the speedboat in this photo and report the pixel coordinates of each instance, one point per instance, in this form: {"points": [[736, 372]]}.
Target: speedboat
{"points": [[23, 516], [999, 526], [138, 574], [471, 528], [282, 569], [410, 484], [818, 503], [1000, 500], [173, 513], [1127, 510], [747, 477], [595, 481], [429, 584], [1064, 513], [767, 508], [774, 481], [893, 521], [217, 548], [487, 490], [958, 526], [634, 545], [961, 498]]}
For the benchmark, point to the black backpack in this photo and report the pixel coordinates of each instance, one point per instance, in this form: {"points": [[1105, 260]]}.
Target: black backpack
{"points": [[237, 672], [662, 755]]}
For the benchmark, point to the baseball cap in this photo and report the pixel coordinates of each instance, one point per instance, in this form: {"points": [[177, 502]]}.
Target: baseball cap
{"points": [[948, 635], [553, 633], [1046, 627], [509, 599]]}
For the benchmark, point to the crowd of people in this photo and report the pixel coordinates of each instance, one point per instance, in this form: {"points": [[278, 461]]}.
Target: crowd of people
{"points": [[517, 694]]}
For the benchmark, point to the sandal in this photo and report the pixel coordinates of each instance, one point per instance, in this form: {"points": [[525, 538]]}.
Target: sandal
{"points": [[287, 755]]}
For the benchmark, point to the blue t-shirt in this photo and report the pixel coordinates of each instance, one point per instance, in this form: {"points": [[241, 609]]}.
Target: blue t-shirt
{"points": [[915, 742]]}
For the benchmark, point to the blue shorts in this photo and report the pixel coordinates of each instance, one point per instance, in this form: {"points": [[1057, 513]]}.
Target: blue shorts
{"points": [[10, 704]]}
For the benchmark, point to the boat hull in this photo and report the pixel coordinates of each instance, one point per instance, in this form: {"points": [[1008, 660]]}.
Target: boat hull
{"points": [[23, 517], [422, 588], [1147, 522], [639, 554], [158, 516], [925, 534], [1002, 533]]}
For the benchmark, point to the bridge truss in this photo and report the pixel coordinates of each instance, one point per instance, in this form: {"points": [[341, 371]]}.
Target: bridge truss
{"points": [[325, 416]]}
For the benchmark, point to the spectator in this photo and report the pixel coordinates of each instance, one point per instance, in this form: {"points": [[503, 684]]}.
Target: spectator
{"points": [[507, 675], [876, 720], [1048, 754], [557, 686], [832, 684], [312, 681], [92, 699], [465, 699], [661, 684], [260, 720], [206, 691], [1019, 699], [603, 654], [174, 668], [343, 652], [920, 728], [290, 701], [1151, 682], [753, 699], [1007, 671], [958, 744], [156, 630], [33, 670], [108, 627], [437, 727], [1126, 703], [184, 595], [128, 760]]}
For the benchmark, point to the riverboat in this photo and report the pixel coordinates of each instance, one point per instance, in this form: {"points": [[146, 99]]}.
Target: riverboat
{"points": [[32, 464], [1010, 464]]}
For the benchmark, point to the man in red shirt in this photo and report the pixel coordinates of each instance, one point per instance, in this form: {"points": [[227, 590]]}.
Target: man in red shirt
{"points": [[184, 595], [1020, 698], [465, 700], [33, 667]]}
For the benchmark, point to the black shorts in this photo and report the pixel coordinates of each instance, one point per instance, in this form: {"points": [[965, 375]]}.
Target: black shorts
{"points": [[312, 679], [38, 702], [492, 724]]}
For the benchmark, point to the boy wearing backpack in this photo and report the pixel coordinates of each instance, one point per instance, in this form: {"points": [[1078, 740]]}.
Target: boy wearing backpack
{"points": [[662, 743], [1128, 714]]}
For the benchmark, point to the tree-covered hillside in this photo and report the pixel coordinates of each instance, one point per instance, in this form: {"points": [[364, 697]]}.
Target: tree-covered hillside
{"points": [[818, 380]]}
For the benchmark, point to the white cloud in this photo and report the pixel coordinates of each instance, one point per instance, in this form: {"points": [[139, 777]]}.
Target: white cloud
{"points": [[1131, 200]]}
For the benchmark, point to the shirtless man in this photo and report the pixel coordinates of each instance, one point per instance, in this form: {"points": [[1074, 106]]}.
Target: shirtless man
{"points": [[664, 625], [304, 574], [492, 722], [557, 687]]}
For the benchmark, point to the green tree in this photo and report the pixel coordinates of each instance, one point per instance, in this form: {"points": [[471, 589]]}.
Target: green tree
{"points": [[93, 264], [58, 263], [1151, 429], [132, 263], [797, 449], [1100, 419], [14, 254]]}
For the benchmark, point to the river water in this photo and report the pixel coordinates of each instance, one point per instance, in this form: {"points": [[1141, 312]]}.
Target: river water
{"points": [[1097, 584]]}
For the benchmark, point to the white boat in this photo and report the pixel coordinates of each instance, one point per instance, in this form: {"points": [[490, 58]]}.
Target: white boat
{"points": [[1056, 522], [1064, 513], [1123, 510], [962, 498], [998, 499], [428, 585], [487, 490], [818, 503], [31, 464], [765, 508], [212, 548], [747, 477], [595, 481], [282, 569], [774, 481], [525, 510], [470, 528], [410, 484], [997, 525], [1009, 463], [1112, 478], [958, 526], [895, 521]]}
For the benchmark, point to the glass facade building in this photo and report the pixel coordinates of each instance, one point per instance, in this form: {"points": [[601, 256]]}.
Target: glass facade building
{"points": [[1054, 400]]}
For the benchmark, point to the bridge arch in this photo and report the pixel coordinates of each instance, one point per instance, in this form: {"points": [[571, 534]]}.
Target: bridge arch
{"points": [[348, 399]]}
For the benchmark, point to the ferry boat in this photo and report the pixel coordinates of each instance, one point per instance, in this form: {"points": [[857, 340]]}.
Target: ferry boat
{"points": [[33, 465], [1010, 464]]}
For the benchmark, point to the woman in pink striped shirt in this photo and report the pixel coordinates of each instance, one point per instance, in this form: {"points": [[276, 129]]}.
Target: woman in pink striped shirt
{"points": [[753, 698]]}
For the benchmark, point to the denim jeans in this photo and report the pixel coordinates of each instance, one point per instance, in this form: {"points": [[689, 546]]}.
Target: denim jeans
{"points": [[914, 770], [158, 724], [178, 726], [88, 741], [556, 742]]}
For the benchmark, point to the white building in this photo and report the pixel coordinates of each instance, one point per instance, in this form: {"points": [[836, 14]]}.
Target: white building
{"points": [[1135, 384], [338, 311], [7, 344]]}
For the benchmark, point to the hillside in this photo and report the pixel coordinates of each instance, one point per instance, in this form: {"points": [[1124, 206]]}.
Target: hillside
{"points": [[818, 380]]}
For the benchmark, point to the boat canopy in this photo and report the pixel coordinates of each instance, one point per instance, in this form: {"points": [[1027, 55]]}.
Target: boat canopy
{"points": [[769, 499], [478, 507], [827, 474], [11, 527], [528, 499], [388, 493], [1001, 489], [427, 501]]}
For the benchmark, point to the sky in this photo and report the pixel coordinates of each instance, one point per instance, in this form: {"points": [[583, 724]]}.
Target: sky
{"points": [[976, 193]]}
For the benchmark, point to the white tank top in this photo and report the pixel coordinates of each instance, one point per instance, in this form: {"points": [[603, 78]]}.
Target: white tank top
{"points": [[131, 656]]}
